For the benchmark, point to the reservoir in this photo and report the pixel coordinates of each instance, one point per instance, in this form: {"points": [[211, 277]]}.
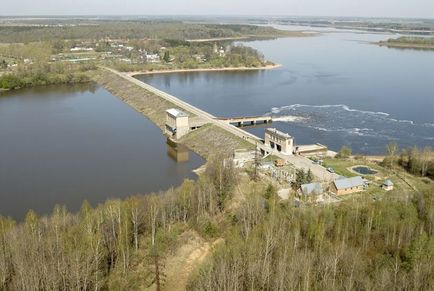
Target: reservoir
{"points": [[344, 89], [66, 144]]}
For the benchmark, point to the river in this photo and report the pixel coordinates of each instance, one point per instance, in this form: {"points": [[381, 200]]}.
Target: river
{"points": [[343, 89], [66, 144]]}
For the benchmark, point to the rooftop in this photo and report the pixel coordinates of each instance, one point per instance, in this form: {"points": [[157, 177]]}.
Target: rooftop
{"points": [[348, 182], [176, 113], [388, 183], [277, 132], [311, 147]]}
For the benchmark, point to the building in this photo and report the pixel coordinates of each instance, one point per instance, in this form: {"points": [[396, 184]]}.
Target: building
{"points": [[348, 185], [176, 123], [387, 185], [312, 191], [313, 150], [152, 58], [279, 141]]}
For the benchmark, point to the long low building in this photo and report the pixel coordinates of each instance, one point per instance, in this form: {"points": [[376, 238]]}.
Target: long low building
{"points": [[311, 150], [344, 186]]}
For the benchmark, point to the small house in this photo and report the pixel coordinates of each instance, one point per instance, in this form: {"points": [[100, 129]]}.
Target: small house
{"points": [[387, 185], [348, 185]]}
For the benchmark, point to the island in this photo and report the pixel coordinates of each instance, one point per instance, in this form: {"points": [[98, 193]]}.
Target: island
{"points": [[423, 43]]}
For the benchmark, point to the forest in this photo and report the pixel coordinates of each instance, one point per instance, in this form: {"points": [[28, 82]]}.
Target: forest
{"points": [[359, 244], [70, 54], [132, 30]]}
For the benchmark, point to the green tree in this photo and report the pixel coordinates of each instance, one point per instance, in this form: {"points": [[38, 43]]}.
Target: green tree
{"points": [[309, 176], [344, 152], [166, 56]]}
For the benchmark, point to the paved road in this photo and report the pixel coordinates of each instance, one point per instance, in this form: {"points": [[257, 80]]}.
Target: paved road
{"points": [[297, 161], [190, 108]]}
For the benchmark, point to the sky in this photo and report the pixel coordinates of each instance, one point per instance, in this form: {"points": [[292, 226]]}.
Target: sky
{"points": [[370, 8]]}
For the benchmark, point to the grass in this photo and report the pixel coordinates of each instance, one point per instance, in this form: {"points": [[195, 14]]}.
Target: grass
{"points": [[211, 139], [150, 105], [404, 183], [205, 141]]}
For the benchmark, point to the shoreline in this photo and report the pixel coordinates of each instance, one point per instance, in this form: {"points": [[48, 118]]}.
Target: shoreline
{"points": [[225, 69], [401, 45]]}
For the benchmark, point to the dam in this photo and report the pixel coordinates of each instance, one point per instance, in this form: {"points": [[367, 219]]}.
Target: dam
{"points": [[226, 125]]}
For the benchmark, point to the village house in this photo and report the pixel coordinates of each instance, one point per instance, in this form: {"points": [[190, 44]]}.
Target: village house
{"points": [[344, 186], [153, 58], [81, 49]]}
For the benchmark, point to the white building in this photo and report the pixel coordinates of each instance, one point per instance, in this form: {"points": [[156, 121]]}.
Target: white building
{"points": [[153, 58], [279, 141], [176, 123]]}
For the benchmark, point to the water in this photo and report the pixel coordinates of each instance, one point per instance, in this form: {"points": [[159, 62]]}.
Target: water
{"points": [[65, 144], [364, 170], [346, 90]]}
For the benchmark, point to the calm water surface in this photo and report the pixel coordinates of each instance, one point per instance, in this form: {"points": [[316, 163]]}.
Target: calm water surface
{"points": [[346, 90], [65, 144]]}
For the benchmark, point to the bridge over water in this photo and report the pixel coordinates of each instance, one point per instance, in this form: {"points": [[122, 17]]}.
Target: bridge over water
{"points": [[247, 120]]}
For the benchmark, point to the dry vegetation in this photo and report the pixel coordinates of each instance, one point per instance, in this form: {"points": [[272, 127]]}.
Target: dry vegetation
{"points": [[211, 139], [150, 105], [194, 238], [204, 141]]}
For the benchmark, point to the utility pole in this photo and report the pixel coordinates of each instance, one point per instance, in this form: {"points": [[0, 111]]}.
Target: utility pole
{"points": [[256, 163]]}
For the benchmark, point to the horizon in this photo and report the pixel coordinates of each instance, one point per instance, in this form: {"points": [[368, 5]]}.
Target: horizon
{"points": [[39, 16], [418, 9]]}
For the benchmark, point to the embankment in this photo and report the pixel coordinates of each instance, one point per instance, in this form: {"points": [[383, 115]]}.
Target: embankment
{"points": [[205, 141]]}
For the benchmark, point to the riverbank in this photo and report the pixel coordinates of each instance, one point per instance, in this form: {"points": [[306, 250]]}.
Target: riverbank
{"points": [[420, 43], [406, 45], [169, 71], [249, 37]]}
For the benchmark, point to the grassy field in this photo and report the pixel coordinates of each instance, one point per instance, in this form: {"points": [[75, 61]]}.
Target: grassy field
{"points": [[211, 139], [403, 182]]}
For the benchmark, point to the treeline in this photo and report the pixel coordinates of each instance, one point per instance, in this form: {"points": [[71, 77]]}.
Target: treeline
{"points": [[42, 74], [196, 56], [120, 245], [357, 245], [132, 30], [412, 40], [419, 162]]}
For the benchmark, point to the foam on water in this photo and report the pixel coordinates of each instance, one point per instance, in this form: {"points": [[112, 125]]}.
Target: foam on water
{"points": [[350, 121]]}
